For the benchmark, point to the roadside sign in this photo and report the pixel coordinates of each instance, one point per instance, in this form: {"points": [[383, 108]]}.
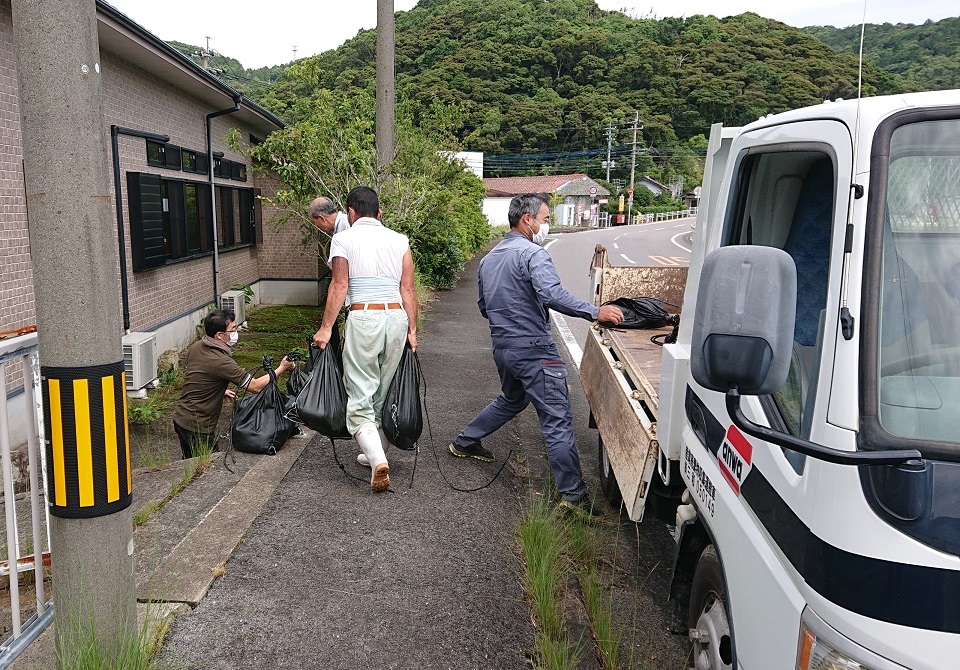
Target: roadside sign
{"points": [[630, 192], [602, 201], [593, 190]]}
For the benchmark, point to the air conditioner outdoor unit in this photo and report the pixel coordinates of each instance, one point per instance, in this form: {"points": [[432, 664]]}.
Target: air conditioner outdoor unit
{"points": [[140, 359], [236, 301]]}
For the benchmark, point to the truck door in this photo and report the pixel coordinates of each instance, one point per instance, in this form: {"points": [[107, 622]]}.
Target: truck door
{"points": [[783, 192]]}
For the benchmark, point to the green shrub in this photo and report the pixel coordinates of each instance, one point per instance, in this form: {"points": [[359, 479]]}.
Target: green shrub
{"points": [[142, 413]]}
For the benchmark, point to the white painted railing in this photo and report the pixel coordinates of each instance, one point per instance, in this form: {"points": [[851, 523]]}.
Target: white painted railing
{"points": [[666, 216], [24, 350]]}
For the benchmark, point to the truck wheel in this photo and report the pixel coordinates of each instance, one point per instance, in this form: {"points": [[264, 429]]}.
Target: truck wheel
{"points": [[707, 621], [608, 480]]}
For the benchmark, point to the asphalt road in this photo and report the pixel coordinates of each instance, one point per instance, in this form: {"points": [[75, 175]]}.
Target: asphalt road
{"points": [[333, 576]]}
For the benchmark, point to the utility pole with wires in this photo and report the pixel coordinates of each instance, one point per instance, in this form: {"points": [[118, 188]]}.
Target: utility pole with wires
{"points": [[633, 166], [205, 55], [609, 164], [294, 52]]}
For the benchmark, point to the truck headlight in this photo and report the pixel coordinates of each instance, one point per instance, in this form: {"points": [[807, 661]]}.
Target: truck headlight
{"points": [[823, 648]]}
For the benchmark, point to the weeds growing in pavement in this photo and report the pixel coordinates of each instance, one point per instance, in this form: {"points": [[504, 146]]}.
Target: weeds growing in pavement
{"points": [[555, 547], [192, 468], [142, 515], [79, 648], [543, 545]]}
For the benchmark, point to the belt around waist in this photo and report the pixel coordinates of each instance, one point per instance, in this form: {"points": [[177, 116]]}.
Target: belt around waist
{"points": [[375, 305]]}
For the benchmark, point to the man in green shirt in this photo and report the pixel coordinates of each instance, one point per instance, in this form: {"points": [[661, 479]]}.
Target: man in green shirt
{"points": [[210, 370]]}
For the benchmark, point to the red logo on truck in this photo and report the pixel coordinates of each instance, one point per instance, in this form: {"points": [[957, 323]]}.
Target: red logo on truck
{"points": [[735, 458]]}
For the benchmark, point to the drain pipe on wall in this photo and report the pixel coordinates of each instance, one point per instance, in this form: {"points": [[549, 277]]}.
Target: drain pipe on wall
{"points": [[213, 198], [115, 132]]}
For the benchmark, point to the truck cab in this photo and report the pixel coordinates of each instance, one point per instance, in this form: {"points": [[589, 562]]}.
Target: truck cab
{"points": [[808, 410]]}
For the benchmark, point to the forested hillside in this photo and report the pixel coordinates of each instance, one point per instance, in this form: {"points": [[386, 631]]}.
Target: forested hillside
{"points": [[926, 56], [254, 83], [544, 78]]}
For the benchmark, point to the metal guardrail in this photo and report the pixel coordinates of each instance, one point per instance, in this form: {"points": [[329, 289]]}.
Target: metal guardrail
{"points": [[605, 220], [24, 350], [667, 216]]}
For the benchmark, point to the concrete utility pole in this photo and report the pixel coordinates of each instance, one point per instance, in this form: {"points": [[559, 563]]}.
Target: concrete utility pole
{"points": [[74, 251], [386, 95], [633, 167], [609, 147]]}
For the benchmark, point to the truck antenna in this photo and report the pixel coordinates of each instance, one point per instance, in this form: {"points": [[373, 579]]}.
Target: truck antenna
{"points": [[846, 319]]}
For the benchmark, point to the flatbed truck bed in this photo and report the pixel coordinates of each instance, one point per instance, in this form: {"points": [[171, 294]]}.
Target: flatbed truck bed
{"points": [[620, 375]]}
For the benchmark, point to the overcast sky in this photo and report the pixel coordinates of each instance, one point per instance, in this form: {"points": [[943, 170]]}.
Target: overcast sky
{"points": [[258, 33]]}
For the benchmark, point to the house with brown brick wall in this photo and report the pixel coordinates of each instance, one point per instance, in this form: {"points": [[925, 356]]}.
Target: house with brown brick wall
{"points": [[156, 107]]}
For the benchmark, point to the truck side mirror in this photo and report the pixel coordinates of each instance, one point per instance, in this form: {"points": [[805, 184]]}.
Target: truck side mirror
{"points": [[743, 342], [744, 320]]}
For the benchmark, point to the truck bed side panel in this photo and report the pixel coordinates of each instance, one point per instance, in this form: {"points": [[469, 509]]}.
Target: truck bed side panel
{"points": [[614, 373]]}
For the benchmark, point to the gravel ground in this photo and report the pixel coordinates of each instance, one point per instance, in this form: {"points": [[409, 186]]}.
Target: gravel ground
{"points": [[332, 576]]}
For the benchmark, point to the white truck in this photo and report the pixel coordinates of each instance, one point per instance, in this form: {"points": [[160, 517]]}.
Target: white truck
{"points": [[802, 435]]}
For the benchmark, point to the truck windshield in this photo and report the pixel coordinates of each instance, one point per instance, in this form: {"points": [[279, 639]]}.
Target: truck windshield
{"points": [[919, 324]]}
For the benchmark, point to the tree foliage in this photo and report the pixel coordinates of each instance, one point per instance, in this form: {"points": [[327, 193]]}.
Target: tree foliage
{"points": [[926, 57], [534, 76], [329, 147]]}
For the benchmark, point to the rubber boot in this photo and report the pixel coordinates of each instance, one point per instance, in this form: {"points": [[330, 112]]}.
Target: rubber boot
{"points": [[362, 458], [369, 441]]}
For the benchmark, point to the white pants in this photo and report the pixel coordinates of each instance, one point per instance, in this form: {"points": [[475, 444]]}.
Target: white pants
{"points": [[373, 344]]}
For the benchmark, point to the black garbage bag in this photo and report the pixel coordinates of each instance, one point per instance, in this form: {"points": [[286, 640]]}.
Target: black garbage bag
{"points": [[259, 424], [402, 414], [641, 313], [297, 380], [322, 402]]}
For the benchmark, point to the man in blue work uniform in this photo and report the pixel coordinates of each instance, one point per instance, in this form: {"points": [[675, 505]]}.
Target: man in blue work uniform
{"points": [[518, 284]]}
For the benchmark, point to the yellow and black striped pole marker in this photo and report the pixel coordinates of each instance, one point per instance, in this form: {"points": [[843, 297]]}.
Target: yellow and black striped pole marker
{"points": [[87, 440]]}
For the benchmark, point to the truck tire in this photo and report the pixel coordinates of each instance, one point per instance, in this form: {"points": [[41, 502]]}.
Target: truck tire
{"points": [[707, 621], [608, 480]]}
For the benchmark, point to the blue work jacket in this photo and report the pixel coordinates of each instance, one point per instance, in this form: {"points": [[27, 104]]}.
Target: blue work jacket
{"points": [[518, 284]]}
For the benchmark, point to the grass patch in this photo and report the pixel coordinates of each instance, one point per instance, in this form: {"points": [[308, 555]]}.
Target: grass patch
{"points": [[141, 516], [79, 648], [543, 548], [288, 320], [192, 468], [276, 330], [555, 547]]}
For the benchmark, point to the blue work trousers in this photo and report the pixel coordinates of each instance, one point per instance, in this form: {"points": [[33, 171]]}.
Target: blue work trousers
{"points": [[534, 375]]}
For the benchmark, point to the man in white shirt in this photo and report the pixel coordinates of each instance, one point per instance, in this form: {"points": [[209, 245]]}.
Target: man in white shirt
{"points": [[325, 216], [373, 267]]}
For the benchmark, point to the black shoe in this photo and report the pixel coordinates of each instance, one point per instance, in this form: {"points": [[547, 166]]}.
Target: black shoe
{"points": [[582, 508], [473, 451]]}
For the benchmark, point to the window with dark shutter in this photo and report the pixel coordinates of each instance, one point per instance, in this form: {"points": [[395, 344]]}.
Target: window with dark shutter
{"points": [[247, 215], [205, 216], [225, 228], [172, 157], [146, 221], [156, 154], [257, 217], [189, 160]]}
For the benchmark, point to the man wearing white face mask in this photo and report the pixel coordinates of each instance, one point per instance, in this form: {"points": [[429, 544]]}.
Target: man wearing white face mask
{"points": [[210, 370], [518, 285]]}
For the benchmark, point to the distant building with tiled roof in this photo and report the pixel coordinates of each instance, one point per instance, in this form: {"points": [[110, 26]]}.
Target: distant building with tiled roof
{"points": [[577, 193], [652, 185]]}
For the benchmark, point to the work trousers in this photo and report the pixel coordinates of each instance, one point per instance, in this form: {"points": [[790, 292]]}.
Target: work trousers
{"points": [[373, 344], [534, 375], [189, 440]]}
